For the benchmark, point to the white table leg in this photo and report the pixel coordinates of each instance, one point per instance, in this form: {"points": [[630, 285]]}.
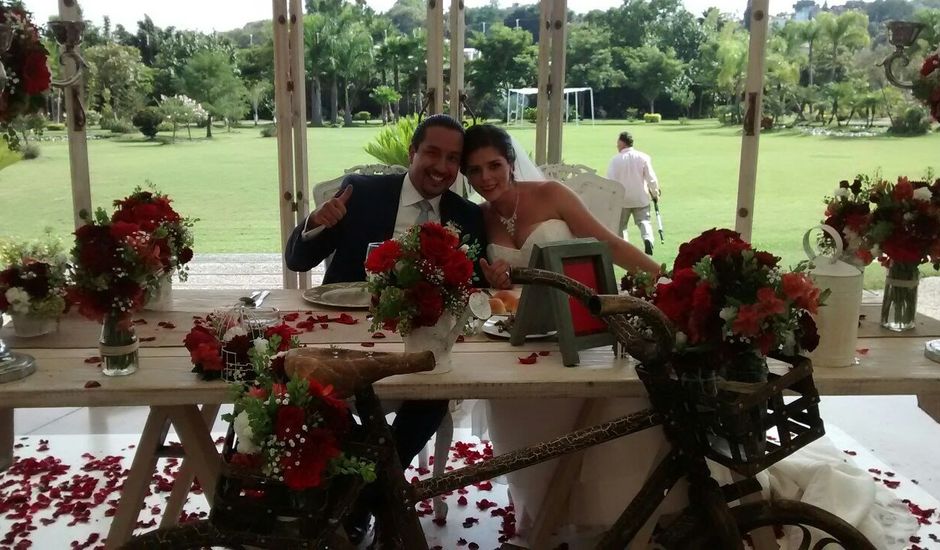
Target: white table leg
{"points": [[185, 477]]}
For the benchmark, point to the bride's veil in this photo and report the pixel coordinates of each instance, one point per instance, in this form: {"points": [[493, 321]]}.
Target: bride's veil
{"points": [[525, 169]]}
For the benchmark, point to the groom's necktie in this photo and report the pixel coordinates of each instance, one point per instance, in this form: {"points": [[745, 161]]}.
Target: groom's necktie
{"points": [[425, 214]]}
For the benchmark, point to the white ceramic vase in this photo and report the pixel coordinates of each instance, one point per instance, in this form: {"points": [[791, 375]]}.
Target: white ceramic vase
{"points": [[438, 339], [28, 326], [162, 297]]}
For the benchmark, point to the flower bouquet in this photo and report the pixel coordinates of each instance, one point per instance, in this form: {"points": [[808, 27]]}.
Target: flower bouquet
{"points": [[905, 232], [152, 212], [285, 443], [421, 283], [32, 285], [848, 211], [927, 85], [220, 346], [115, 265], [23, 68]]}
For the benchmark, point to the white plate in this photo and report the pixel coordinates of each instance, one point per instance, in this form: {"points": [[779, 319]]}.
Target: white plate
{"points": [[349, 295], [490, 327]]}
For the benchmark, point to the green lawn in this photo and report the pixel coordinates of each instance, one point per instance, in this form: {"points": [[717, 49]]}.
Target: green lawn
{"points": [[230, 182]]}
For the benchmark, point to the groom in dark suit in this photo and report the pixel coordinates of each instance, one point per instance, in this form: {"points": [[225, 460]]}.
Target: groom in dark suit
{"points": [[370, 209]]}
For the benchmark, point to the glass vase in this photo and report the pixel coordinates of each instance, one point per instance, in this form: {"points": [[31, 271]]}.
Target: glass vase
{"points": [[747, 427], [118, 346], [899, 304]]}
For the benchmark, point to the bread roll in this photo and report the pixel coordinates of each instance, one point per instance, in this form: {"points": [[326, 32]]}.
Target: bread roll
{"points": [[497, 306], [508, 298]]}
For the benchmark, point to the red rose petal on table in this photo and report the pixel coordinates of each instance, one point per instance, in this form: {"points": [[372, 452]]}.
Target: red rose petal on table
{"points": [[470, 522], [291, 317], [889, 474], [486, 504], [850, 453], [914, 538], [530, 360], [92, 384], [484, 486], [378, 335], [324, 325], [147, 338], [139, 321], [461, 542], [862, 351], [891, 484], [323, 318], [460, 338], [462, 501], [440, 522], [347, 319], [93, 359], [473, 546], [166, 324], [544, 353], [874, 471], [367, 344]]}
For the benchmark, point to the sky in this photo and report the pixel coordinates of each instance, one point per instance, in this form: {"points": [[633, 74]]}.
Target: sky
{"points": [[223, 15]]}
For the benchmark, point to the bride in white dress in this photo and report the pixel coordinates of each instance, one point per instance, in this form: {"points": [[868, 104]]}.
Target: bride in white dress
{"points": [[522, 210]]}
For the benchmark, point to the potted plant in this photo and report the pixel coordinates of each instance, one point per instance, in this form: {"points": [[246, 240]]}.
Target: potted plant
{"points": [[32, 285]]}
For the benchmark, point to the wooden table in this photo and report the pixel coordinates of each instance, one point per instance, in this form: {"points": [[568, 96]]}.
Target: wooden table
{"points": [[484, 368]]}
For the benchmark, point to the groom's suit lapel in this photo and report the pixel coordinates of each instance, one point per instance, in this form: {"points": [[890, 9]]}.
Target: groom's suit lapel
{"points": [[386, 205]]}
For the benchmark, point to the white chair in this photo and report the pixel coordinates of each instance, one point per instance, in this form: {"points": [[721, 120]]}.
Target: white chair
{"points": [[603, 198], [376, 169], [565, 172]]}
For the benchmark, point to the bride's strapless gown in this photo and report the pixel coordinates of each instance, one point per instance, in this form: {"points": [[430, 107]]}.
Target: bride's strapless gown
{"points": [[612, 473]]}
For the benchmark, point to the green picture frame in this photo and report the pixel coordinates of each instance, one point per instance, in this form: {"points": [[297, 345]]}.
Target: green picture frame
{"points": [[543, 309]]}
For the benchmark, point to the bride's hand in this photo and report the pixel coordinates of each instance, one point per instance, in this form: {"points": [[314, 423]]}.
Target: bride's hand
{"points": [[497, 273]]}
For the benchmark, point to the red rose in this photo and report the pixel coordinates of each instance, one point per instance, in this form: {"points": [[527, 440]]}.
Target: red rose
{"points": [[185, 255], [930, 65], [437, 243], [207, 356], [198, 335], [335, 411], [305, 468], [769, 303], [35, 73], [290, 420], [691, 252], [258, 393], [748, 320], [701, 317], [675, 298], [384, 257], [458, 269], [120, 231], [800, 288], [239, 345], [903, 190], [283, 330], [8, 276], [430, 304], [809, 337]]}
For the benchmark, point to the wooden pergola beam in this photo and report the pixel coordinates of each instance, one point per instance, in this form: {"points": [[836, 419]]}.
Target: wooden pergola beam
{"points": [[75, 112]]}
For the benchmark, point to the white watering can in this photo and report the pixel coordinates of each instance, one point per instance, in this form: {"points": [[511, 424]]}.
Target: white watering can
{"points": [[837, 320]]}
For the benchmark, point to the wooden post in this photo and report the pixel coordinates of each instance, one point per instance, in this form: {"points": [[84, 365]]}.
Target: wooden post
{"points": [[297, 87], [545, 46], [559, 31], [78, 144], [6, 438], [435, 24], [753, 105], [282, 103], [458, 33]]}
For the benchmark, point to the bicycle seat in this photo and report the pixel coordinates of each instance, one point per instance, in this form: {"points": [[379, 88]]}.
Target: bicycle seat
{"points": [[350, 370]]}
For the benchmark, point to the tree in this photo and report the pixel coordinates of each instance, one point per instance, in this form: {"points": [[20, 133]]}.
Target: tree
{"points": [[385, 95], [508, 58], [210, 79], [182, 110], [179, 48], [408, 15], [119, 70], [256, 94], [589, 57], [353, 54], [845, 33], [680, 91], [651, 71]]}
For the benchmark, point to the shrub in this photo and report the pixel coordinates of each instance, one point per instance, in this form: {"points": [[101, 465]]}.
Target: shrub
{"points": [[652, 117], [683, 120], [633, 113], [30, 151], [391, 144], [147, 120], [118, 126], [55, 126], [92, 118], [915, 121], [530, 114], [363, 116], [164, 127], [269, 131]]}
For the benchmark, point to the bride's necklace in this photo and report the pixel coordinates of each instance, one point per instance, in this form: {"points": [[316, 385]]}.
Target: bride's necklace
{"points": [[510, 222]]}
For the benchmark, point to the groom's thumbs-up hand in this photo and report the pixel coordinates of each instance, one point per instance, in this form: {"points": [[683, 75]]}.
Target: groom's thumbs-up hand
{"points": [[496, 273], [333, 210]]}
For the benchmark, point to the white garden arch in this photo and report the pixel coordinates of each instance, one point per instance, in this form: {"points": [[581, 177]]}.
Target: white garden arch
{"points": [[515, 110], [290, 92]]}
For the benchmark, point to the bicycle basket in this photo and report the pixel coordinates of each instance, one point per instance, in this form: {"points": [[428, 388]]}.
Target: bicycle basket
{"points": [[749, 427], [247, 501]]}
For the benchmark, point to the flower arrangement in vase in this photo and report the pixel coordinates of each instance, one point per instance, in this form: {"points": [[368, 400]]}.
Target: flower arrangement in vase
{"points": [[904, 233], [421, 284], [33, 285], [26, 71], [927, 85], [290, 429], [220, 346], [114, 266], [848, 211], [732, 305], [153, 213]]}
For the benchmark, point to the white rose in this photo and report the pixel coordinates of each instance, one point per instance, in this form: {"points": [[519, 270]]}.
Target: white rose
{"points": [[465, 248], [727, 313], [233, 332], [922, 194], [841, 192], [18, 299], [681, 338], [261, 345], [242, 427]]}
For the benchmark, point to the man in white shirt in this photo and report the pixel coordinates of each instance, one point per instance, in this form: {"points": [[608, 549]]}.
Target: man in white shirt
{"points": [[634, 171]]}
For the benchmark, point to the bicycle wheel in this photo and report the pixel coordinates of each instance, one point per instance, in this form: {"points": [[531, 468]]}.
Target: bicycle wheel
{"points": [[202, 534], [811, 528]]}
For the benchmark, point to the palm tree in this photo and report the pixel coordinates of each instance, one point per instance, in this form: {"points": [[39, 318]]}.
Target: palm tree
{"points": [[354, 61], [849, 30], [811, 33]]}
